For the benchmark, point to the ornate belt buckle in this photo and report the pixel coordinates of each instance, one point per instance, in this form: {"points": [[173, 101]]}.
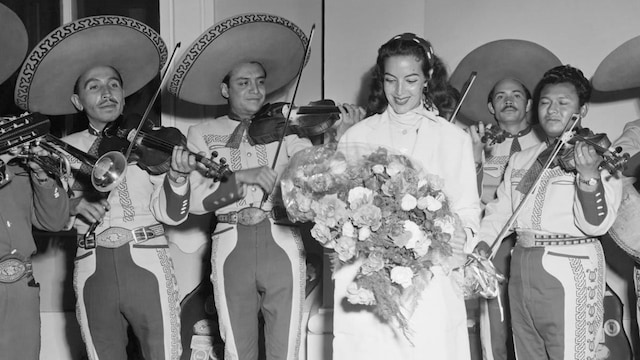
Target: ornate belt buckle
{"points": [[140, 235], [251, 216], [14, 269]]}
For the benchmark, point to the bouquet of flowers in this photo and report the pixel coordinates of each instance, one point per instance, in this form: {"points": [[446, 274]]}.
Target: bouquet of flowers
{"points": [[380, 209]]}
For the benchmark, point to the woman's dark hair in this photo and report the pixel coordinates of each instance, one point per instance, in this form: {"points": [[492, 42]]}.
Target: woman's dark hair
{"points": [[565, 74], [436, 94]]}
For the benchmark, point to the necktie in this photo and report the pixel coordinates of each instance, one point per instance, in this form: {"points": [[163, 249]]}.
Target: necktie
{"points": [[236, 136], [532, 174], [515, 146]]}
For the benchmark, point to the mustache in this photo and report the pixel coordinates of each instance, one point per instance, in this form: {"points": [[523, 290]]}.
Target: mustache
{"points": [[108, 101], [507, 107]]}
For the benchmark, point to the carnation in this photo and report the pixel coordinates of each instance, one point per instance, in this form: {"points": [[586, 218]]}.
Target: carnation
{"points": [[432, 204], [394, 168], [378, 169], [358, 295], [372, 264], [322, 233], [359, 196], [402, 275], [364, 233], [346, 248]]}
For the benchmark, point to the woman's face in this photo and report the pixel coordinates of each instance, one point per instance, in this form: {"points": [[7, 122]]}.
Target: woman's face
{"points": [[403, 82]]}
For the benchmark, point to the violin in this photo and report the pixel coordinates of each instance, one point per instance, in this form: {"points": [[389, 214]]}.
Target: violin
{"points": [[493, 134], [268, 124], [152, 146], [613, 160]]}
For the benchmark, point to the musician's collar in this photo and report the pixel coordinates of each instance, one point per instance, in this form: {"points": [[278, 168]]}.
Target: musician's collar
{"points": [[519, 134], [93, 131]]}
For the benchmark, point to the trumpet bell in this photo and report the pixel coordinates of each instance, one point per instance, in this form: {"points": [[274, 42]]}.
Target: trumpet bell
{"points": [[108, 171]]}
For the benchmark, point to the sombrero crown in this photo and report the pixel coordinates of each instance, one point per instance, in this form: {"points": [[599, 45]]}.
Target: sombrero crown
{"points": [[620, 70], [522, 60], [13, 42], [48, 75], [275, 42]]}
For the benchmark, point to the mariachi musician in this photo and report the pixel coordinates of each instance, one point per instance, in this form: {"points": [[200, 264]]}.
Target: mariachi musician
{"points": [[620, 71], [29, 197], [257, 265], [507, 71], [124, 275]]}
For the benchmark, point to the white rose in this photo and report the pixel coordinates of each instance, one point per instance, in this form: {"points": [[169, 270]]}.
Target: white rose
{"points": [[433, 204], [446, 224], [408, 202], [378, 169], [348, 229], [364, 233], [402, 275], [394, 168], [422, 247], [416, 233]]}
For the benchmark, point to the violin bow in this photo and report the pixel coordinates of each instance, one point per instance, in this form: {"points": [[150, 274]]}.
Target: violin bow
{"points": [[307, 54], [563, 140], [153, 100], [465, 91]]}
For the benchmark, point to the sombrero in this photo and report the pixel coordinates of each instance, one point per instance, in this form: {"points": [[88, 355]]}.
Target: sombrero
{"points": [[509, 58], [275, 42], [620, 69], [13, 42], [47, 77]]}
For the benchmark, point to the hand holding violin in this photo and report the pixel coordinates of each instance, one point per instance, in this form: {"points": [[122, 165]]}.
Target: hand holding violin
{"points": [[183, 162], [587, 161], [263, 176]]}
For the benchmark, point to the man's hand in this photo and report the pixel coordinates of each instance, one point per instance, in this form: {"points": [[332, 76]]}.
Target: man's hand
{"points": [[183, 162], [91, 211], [477, 132], [37, 170], [587, 160], [483, 249], [263, 176]]}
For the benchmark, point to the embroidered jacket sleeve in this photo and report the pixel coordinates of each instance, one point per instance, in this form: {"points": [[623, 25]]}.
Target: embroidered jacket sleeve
{"points": [[596, 211], [169, 204]]}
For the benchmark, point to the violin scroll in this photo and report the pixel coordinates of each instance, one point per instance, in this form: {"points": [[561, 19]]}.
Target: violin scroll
{"points": [[493, 134]]}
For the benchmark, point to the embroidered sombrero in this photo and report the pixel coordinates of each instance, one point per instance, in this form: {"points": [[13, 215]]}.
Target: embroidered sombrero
{"points": [[13, 42], [509, 58], [277, 43], [620, 70], [46, 79]]}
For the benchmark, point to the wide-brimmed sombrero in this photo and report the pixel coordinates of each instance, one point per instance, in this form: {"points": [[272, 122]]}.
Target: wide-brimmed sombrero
{"points": [[47, 77], [275, 42], [13, 42], [620, 70], [523, 60]]}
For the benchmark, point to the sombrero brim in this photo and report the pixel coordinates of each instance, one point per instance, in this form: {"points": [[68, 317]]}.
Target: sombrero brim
{"points": [[509, 58], [278, 44], [620, 70], [47, 77], [13, 42]]}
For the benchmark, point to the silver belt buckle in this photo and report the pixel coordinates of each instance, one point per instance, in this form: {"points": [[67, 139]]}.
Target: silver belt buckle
{"points": [[14, 269], [250, 216]]}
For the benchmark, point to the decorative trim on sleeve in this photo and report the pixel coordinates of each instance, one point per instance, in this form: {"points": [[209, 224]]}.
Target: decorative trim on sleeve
{"points": [[594, 205]]}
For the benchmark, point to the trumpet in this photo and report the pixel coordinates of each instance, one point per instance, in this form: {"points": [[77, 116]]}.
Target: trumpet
{"points": [[17, 134], [107, 171]]}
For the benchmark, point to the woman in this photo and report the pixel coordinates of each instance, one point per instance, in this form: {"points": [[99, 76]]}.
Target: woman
{"points": [[408, 90]]}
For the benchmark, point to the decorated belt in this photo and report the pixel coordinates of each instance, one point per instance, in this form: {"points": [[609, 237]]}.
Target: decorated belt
{"points": [[528, 239], [14, 268], [252, 215], [114, 237]]}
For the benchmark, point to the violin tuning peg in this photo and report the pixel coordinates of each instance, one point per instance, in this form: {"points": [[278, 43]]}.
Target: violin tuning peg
{"points": [[618, 149], [222, 161], [214, 154]]}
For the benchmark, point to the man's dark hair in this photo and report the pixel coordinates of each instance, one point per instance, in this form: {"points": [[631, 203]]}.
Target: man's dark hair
{"points": [[76, 86], [566, 74], [227, 77], [527, 93]]}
